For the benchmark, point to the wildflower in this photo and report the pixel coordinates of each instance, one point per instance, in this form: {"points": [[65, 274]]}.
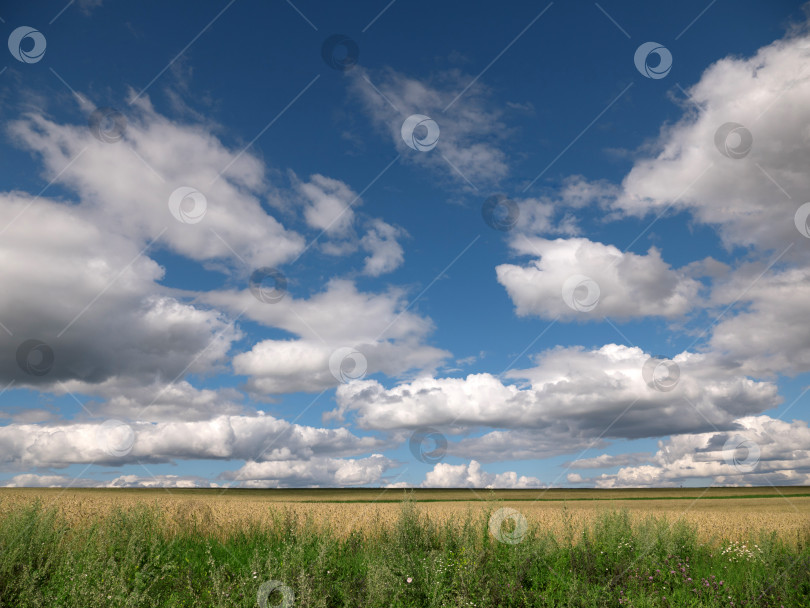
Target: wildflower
{"points": [[409, 580]]}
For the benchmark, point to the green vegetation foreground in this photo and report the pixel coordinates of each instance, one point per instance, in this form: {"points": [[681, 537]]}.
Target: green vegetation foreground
{"points": [[132, 559]]}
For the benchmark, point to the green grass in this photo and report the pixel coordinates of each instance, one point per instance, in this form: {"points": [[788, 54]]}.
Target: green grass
{"points": [[129, 559]]}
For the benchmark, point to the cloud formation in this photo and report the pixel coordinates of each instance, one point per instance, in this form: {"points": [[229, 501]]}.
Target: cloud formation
{"points": [[762, 451], [571, 392], [469, 149], [580, 279], [257, 439], [471, 475]]}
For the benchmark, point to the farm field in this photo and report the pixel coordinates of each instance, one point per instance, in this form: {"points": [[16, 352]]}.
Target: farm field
{"points": [[668, 547], [713, 512]]}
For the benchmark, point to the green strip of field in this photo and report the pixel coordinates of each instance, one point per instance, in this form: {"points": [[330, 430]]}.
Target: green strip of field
{"points": [[564, 499], [418, 495]]}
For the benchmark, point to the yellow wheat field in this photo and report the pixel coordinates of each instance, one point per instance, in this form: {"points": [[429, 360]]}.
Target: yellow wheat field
{"points": [[716, 513]]}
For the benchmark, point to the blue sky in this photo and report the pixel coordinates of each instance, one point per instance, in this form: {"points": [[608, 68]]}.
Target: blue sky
{"points": [[636, 318]]}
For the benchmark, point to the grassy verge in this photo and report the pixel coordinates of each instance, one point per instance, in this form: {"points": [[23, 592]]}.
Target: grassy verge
{"points": [[133, 559]]}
